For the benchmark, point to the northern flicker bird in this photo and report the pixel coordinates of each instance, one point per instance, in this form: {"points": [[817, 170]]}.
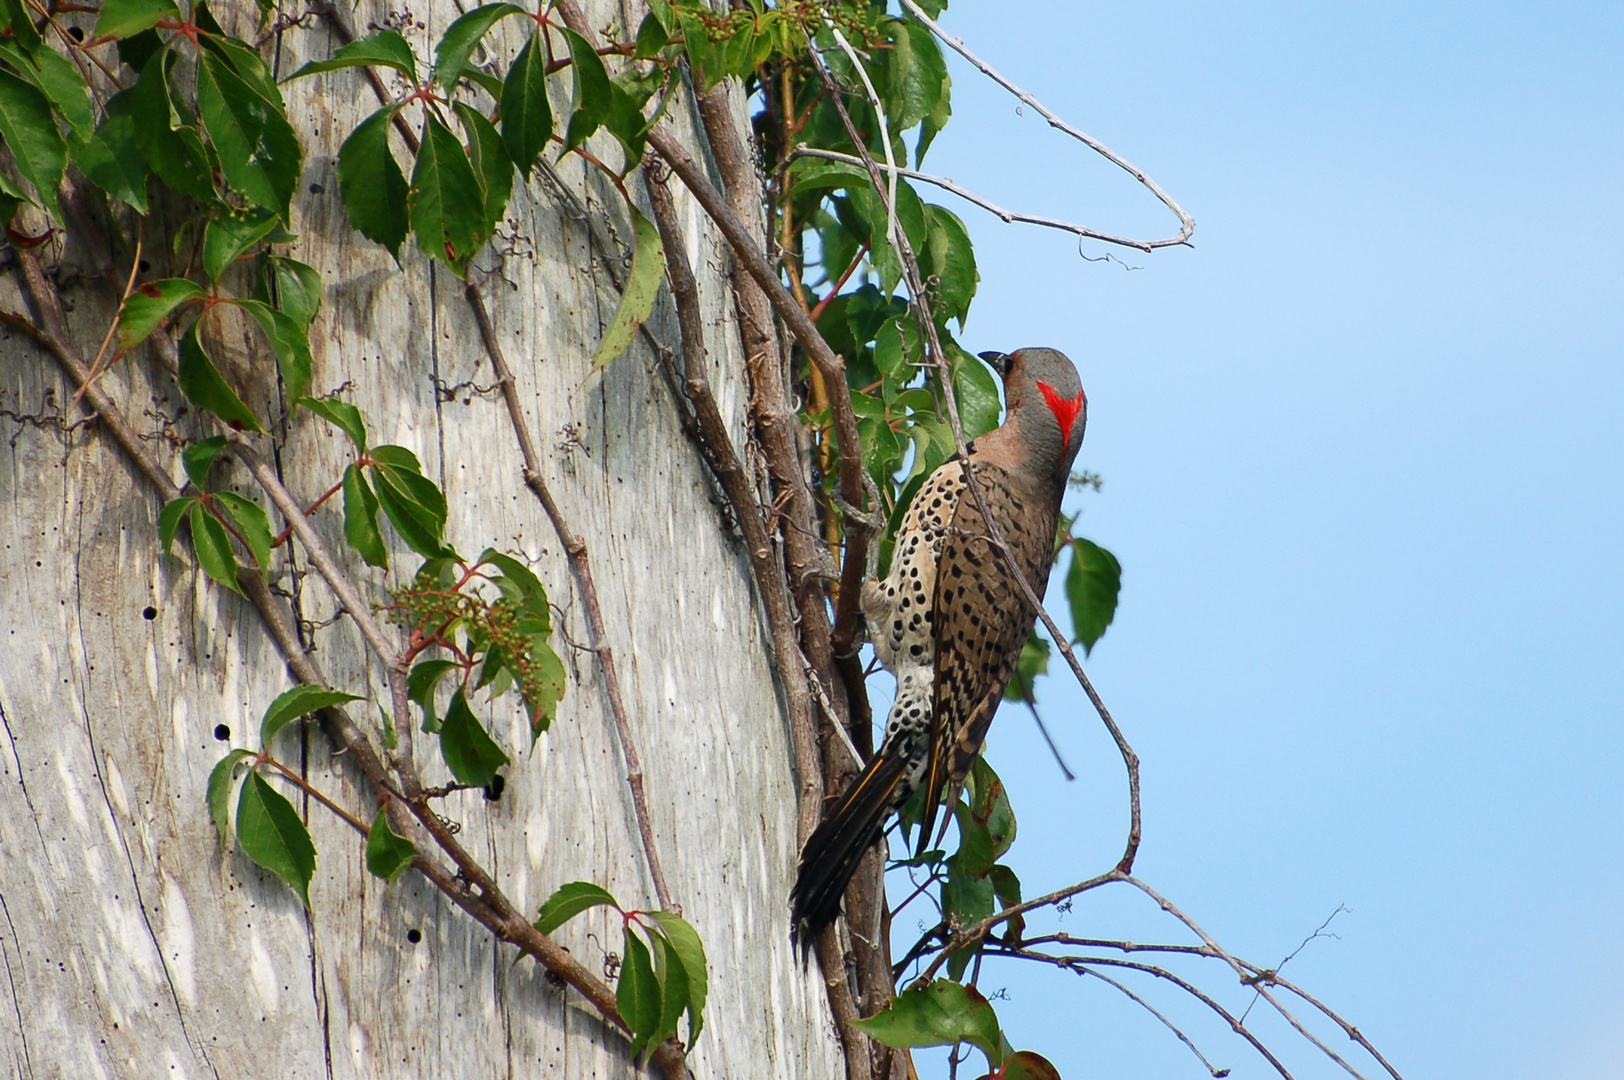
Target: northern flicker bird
{"points": [[949, 620]]}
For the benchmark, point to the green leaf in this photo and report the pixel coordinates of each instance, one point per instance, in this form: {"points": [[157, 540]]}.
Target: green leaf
{"points": [[212, 544], [974, 857], [491, 163], [527, 114], [949, 263], [271, 834], [1028, 1065], [289, 340], [55, 76], [940, 1014], [651, 38], [259, 153], [485, 81], [593, 92], [15, 17], [415, 506], [405, 472], [361, 519], [11, 198], [469, 752], [221, 778], [531, 591], [252, 524], [684, 941], [914, 74], [137, 49], [297, 287], [149, 305], [202, 384], [543, 686], [385, 48], [171, 146], [30, 132], [446, 204], [113, 162], [460, 38], [896, 347], [976, 392], [627, 124], [672, 978], [1034, 661], [638, 995], [934, 122], [989, 804], [300, 701], [420, 684], [570, 900], [1092, 583], [126, 18], [373, 187], [238, 56], [230, 234], [642, 287], [1007, 888], [199, 458], [169, 519], [389, 854], [341, 414]]}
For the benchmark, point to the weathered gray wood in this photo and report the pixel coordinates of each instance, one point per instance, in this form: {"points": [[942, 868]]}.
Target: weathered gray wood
{"points": [[131, 944]]}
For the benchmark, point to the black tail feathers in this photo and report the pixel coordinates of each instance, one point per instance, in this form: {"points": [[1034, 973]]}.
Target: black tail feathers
{"points": [[832, 853]]}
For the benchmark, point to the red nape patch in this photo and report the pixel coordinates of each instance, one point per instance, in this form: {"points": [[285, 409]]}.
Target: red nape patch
{"points": [[1066, 412]]}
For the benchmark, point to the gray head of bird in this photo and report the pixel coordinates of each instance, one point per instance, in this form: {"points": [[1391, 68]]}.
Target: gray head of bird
{"points": [[1046, 407]]}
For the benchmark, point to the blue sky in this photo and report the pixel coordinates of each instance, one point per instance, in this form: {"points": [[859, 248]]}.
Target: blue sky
{"points": [[1363, 450]]}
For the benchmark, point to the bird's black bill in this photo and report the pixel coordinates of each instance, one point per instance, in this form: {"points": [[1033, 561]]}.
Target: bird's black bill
{"points": [[998, 360]]}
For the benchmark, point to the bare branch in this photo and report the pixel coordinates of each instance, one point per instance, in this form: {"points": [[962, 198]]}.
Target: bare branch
{"points": [[1152, 1010], [1186, 222], [1077, 964], [979, 930], [1240, 970], [1008, 217]]}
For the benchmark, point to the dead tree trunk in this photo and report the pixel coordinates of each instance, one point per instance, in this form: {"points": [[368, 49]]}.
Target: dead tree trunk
{"points": [[133, 945]]}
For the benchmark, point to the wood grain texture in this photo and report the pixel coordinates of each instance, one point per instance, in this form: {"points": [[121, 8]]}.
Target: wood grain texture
{"points": [[131, 944]]}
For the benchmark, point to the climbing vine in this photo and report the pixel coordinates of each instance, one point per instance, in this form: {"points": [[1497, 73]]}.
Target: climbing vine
{"points": [[183, 129]]}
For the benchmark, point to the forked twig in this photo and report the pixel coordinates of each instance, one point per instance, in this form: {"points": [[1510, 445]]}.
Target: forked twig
{"points": [[1186, 222]]}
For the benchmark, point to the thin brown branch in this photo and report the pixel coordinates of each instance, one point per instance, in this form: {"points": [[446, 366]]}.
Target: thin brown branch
{"points": [[1008, 217], [1186, 222], [581, 562], [1347, 1028], [1157, 1013], [1076, 964], [315, 793], [1258, 974], [54, 336], [977, 931], [96, 368], [1240, 970]]}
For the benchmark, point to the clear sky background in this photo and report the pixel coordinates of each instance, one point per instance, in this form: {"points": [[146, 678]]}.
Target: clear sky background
{"points": [[1363, 450]]}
